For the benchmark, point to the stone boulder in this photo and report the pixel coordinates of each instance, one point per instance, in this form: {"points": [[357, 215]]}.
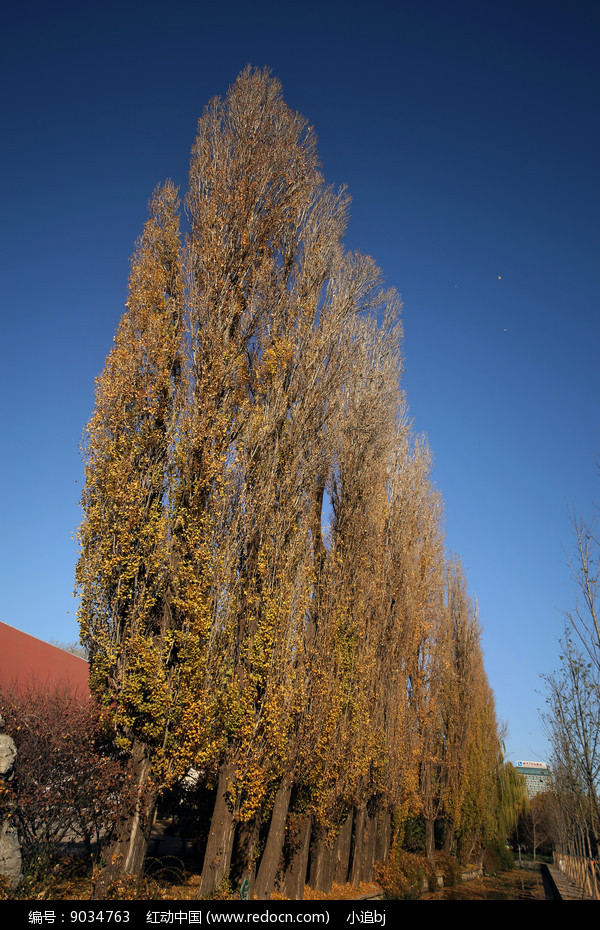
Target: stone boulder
{"points": [[8, 754], [10, 850]]}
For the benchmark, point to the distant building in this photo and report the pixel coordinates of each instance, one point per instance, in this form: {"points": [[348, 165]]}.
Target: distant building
{"points": [[536, 774], [27, 661]]}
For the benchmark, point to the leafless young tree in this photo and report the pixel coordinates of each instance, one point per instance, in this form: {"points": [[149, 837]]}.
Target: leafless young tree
{"points": [[572, 714], [583, 621], [572, 722]]}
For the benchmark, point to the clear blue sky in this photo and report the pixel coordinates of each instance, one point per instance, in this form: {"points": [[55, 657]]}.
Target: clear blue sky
{"points": [[468, 135]]}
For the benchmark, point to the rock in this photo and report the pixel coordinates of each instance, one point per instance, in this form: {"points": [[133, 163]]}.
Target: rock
{"points": [[8, 754], [10, 855], [10, 850]]}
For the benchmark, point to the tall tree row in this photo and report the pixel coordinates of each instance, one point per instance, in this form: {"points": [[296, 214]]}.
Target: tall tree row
{"points": [[265, 594]]}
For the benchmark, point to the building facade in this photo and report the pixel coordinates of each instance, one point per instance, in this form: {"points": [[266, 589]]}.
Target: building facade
{"points": [[536, 774]]}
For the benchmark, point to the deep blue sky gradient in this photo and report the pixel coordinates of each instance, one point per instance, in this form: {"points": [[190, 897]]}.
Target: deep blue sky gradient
{"points": [[468, 135]]}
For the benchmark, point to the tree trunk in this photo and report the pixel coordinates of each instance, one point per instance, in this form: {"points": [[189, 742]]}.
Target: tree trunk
{"points": [[295, 875], [384, 836], [271, 857], [127, 849], [244, 858], [449, 837], [356, 868], [320, 876], [343, 845], [369, 846], [430, 839], [219, 846]]}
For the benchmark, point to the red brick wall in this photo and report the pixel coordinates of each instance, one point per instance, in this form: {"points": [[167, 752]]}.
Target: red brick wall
{"points": [[26, 660]]}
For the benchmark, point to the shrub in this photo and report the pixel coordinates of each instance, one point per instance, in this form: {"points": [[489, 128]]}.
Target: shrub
{"points": [[66, 784], [402, 875], [5, 889], [497, 858], [413, 834], [450, 868]]}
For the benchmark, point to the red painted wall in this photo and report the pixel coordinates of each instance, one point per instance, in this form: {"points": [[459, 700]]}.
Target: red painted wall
{"points": [[26, 660]]}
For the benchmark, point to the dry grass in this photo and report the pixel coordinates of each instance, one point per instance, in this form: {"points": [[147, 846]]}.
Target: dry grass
{"points": [[344, 892], [515, 885], [166, 879]]}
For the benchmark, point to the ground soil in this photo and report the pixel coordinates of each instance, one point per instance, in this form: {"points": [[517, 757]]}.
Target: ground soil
{"points": [[70, 880], [515, 885]]}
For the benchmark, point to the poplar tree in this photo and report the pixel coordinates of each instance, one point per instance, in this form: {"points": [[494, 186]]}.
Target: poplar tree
{"points": [[206, 464], [124, 568], [252, 392]]}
